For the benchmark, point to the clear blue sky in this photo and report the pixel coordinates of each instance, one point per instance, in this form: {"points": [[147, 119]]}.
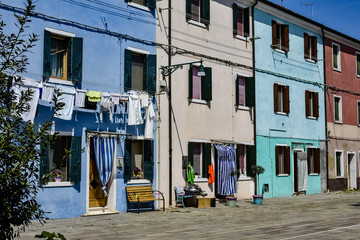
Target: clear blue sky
{"points": [[340, 15]]}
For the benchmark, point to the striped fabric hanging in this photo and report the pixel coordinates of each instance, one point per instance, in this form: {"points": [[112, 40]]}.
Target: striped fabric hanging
{"points": [[104, 157], [226, 168]]}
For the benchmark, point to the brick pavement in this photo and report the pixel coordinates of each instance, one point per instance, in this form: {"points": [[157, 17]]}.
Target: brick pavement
{"points": [[319, 216]]}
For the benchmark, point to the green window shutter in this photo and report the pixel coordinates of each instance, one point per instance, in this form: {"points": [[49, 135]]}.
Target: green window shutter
{"points": [[127, 70], [246, 22], [250, 92], [206, 159], [237, 91], [188, 9], [250, 160], [75, 160], [44, 156], [127, 160], [190, 82], [47, 57], [206, 86], [191, 153], [150, 80], [235, 17], [149, 159], [151, 4], [75, 53], [205, 12]]}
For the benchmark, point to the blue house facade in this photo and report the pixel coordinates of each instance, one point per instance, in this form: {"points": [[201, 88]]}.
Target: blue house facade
{"points": [[102, 56], [290, 113]]}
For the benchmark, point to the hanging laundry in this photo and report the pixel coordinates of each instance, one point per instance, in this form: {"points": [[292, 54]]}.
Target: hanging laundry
{"points": [[124, 98], [80, 98], [47, 92], [144, 100], [149, 121], [67, 97], [106, 106], [115, 98], [211, 173], [93, 96], [191, 175], [135, 117], [22, 86]]}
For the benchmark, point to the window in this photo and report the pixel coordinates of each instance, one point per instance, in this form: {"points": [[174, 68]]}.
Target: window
{"points": [[336, 57], [313, 159], [282, 156], [147, 3], [339, 164], [312, 104], [358, 64], [200, 87], [337, 109], [241, 23], [140, 71], [198, 10], [281, 98], [199, 155], [139, 159], [63, 155], [62, 57], [310, 47], [245, 89], [280, 36], [241, 156], [240, 91]]}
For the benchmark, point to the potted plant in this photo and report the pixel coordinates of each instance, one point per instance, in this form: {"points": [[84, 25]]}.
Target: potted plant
{"points": [[137, 173], [258, 198], [56, 175]]}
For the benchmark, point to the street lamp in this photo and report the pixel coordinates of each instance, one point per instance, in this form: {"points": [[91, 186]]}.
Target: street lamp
{"points": [[168, 70]]}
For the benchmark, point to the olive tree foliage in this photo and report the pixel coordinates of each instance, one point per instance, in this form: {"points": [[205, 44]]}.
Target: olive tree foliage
{"points": [[19, 140]]}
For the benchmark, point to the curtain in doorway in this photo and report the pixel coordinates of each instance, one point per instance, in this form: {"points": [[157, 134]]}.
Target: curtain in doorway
{"points": [[104, 148], [226, 170], [302, 171]]}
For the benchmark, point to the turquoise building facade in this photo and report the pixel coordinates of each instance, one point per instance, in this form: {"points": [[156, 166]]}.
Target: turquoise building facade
{"points": [[290, 113]]}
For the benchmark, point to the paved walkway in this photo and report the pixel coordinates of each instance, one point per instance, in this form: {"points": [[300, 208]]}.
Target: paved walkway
{"points": [[319, 216]]}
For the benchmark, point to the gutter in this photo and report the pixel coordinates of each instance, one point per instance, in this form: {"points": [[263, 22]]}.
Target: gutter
{"points": [[325, 110], [170, 107]]}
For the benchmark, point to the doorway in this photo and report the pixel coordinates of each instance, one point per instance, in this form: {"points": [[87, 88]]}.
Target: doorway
{"points": [[300, 171], [351, 171]]}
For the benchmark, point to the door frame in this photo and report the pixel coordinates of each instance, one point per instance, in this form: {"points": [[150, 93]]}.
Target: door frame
{"points": [[295, 175], [351, 169]]}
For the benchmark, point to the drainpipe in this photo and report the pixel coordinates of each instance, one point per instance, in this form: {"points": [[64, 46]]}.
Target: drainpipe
{"points": [[325, 106], [170, 107]]}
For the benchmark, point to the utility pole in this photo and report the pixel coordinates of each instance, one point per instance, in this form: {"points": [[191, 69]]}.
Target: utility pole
{"points": [[312, 7]]}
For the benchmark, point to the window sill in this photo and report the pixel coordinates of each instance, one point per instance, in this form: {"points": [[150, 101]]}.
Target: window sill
{"points": [[281, 113], [59, 81], [310, 117], [193, 100], [200, 180], [138, 181], [239, 107], [283, 175], [199, 24], [338, 122], [59, 184], [339, 177], [241, 37], [358, 76], [314, 174], [279, 50], [337, 69], [310, 60], [244, 178], [135, 5]]}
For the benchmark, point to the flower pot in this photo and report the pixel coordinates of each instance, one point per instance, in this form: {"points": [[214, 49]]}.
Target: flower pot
{"points": [[57, 179], [258, 199], [231, 201]]}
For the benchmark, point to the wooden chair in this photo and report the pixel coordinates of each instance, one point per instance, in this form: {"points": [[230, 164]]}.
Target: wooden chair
{"points": [[180, 195]]}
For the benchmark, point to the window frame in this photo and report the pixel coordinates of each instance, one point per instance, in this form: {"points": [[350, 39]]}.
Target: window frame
{"points": [[357, 54], [314, 114], [205, 88], [204, 13], [341, 164], [280, 32], [340, 109], [358, 113], [313, 152], [245, 21], [242, 174], [285, 99], [206, 158], [286, 160], [310, 44], [338, 57]]}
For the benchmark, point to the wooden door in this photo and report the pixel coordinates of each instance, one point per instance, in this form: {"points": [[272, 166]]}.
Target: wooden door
{"points": [[97, 197], [296, 180]]}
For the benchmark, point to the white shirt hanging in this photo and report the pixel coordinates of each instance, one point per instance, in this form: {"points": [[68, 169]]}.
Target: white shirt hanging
{"points": [[47, 92], [134, 117], [80, 98], [106, 106], [144, 100], [67, 97], [149, 121]]}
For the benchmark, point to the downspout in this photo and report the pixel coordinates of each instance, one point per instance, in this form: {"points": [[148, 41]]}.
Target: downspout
{"points": [[170, 106], [325, 106]]}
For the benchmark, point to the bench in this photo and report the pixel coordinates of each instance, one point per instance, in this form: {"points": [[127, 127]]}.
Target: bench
{"points": [[142, 194]]}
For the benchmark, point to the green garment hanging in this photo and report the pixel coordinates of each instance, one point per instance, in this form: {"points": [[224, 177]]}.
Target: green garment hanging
{"points": [[190, 174]]}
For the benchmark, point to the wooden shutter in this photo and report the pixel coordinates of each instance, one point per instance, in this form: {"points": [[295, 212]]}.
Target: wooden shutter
{"points": [[309, 159], [44, 157], [276, 97], [306, 46], [307, 110], [317, 160], [237, 92], [314, 48], [285, 38], [149, 159], [151, 4], [190, 82], [127, 161], [188, 9], [127, 70], [250, 92], [286, 100], [250, 160], [206, 85], [277, 163], [205, 12], [316, 104], [47, 56], [287, 160], [206, 159], [246, 22], [150, 80], [75, 159], [191, 153], [235, 18], [75, 53], [274, 34]]}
